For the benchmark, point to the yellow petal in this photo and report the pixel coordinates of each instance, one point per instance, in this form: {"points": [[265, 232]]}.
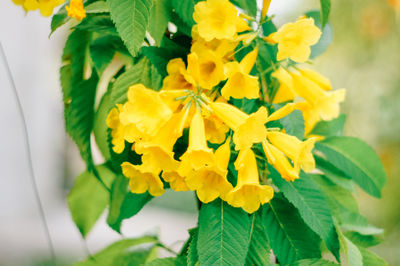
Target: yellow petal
{"points": [[265, 7], [285, 91], [323, 82], [230, 115], [248, 61], [282, 112], [142, 180]]}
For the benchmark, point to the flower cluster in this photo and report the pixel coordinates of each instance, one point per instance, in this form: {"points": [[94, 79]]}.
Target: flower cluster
{"points": [[197, 95]]}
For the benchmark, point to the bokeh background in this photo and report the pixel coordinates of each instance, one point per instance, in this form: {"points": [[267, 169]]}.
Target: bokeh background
{"points": [[364, 57]]}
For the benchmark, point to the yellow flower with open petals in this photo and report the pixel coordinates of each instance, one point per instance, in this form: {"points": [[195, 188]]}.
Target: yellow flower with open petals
{"points": [[240, 83], [206, 68], [46, 7], [176, 80], [175, 180], [325, 103], [76, 9], [145, 109], [217, 19], [210, 182], [298, 151], [215, 129], [323, 82], [311, 117], [294, 39], [248, 193], [278, 160], [198, 153], [143, 178], [248, 129], [117, 130]]}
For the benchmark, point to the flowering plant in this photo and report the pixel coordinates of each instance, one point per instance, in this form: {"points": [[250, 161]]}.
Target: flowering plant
{"points": [[211, 97]]}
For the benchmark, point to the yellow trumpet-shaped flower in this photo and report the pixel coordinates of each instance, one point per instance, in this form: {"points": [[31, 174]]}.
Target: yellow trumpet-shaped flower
{"points": [[46, 7], [210, 181], [145, 109], [325, 103], [157, 152], [117, 130], [285, 91], [311, 117], [215, 129], [206, 68], [294, 39], [240, 84], [76, 9], [278, 160], [176, 181], [142, 179], [176, 79], [298, 151], [217, 19], [323, 82], [248, 193], [248, 129], [198, 153]]}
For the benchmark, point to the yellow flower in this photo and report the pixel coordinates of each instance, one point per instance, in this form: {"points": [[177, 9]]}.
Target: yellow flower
{"points": [[210, 181], [265, 7], [206, 68], [278, 160], [142, 179], [176, 80], [117, 130], [145, 109], [294, 39], [215, 129], [323, 82], [248, 129], [198, 153], [285, 91], [176, 181], [157, 152], [311, 117], [325, 103], [46, 7], [240, 84], [217, 19], [298, 151], [76, 9], [248, 193]]}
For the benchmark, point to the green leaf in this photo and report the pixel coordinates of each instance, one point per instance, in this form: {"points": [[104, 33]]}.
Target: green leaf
{"points": [[124, 252], [330, 128], [160, 15], [259, 250], [178, 261], [352, 254], [159, 57], [313, 262], [370, 258], [325, 10], [101, 24], [131, 18], [124, 204], [97, 7], [59, 19], [365, 241], [142, 72], [88, 198], [290, 238], [312, 205], [357, 160], [326, 37], [100, 128], [185, 10], [294, 124], [250, 6], [223, 234], [192, 255], [103, 49], [78, 93]]}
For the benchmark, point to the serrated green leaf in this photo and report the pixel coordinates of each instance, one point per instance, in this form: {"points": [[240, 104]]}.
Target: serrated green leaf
{"points": [[325, 10], [124, 252], [259, 250], [350, 251], [59, 19], [159, 57], [101, 24], [185, 10], [160, 15], [312, 205], [313, 262], [88, 199], [97, 7], [290, 238], [178, 261], [250, 6], [370, 258], [124, 204], [192, 255], [294, 124], [365, 241], [326, 37], [357, 160], [223, 234], [131, 18], [330, 128]]}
